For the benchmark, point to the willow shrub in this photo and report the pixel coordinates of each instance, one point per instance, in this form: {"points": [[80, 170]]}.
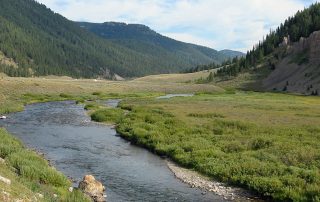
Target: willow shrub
{"points": [[271, 161]]}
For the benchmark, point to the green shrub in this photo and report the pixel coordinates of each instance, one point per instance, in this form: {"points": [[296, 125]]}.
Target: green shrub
{"points": [[91, 106], [107, 115], [97, 93], [207, 115], [261, 143], [64, 95]]}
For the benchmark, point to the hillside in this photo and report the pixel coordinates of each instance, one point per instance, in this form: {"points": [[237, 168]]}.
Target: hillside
{"points": [[288, 56], [35, 41], [298, 70], [144, 40]]}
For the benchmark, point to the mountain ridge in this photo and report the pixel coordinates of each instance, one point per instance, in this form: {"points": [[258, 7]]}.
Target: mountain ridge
{"points": [[129, 34], [42, 42]]}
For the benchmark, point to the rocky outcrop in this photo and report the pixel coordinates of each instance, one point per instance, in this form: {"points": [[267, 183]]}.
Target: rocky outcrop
{"points": [[314, 47], [286, 41], [298, 71], [93, 188]]}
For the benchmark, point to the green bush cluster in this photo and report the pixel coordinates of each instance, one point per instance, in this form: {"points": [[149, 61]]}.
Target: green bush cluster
{"points": [[207, 115], [272, 161], [109, 115], [91, 106]]}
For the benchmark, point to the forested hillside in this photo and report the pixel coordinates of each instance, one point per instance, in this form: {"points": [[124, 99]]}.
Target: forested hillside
{"points": [[42, 43], [291, 53], [35, 41], [142, 39]]}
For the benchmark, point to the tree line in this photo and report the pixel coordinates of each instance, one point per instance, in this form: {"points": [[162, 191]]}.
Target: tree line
{"points": [[302, 24]]}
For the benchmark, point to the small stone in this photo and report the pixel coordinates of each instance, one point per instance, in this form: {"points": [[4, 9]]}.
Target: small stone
{"points": [[2, 161], [5, 193], [5, 180], [70, 189], [39, 195], [55, 195]]}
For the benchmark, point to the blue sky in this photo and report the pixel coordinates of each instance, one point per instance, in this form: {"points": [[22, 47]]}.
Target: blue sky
{"points": [[219, 24]]}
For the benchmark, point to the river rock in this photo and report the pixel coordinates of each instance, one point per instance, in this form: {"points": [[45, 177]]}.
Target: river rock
{"points": [[39, 195], [70, 189], [93, 188], [5, 180]]}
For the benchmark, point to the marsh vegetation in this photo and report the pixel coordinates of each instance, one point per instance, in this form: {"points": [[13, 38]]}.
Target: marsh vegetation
{"points": [[258, 141], [265, 142]]}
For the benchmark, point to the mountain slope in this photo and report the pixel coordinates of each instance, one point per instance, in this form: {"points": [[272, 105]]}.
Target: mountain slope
{"points": [[299, 68], [142, 39], [232, 53], [43, 42], [290, 54], [35, 41]]}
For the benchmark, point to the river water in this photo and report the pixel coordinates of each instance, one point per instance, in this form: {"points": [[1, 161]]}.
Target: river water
{"points": [[168, 96], [76, 146]]}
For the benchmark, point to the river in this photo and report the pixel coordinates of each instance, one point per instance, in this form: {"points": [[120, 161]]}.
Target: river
{"points": [[76, 146]]}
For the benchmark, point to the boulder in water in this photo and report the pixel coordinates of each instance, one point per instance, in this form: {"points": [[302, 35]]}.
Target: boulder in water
{"points": [[93, 188]]}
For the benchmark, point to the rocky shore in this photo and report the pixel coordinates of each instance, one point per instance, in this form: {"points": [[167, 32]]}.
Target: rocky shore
{"points": [[196, 180]]}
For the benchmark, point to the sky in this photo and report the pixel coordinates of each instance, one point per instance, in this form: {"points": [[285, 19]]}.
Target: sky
{"points": [[218, 24]]}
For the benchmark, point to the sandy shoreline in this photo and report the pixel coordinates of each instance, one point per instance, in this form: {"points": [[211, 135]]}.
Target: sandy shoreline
{"points": [[196, 180]]}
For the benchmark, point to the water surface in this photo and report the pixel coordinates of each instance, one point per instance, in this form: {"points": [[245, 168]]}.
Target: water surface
{"points": [[168, 96], [76, 146]]}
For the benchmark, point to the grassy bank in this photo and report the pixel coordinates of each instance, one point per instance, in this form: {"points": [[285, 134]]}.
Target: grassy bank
{"points": [[31, 175], [265, 142]]}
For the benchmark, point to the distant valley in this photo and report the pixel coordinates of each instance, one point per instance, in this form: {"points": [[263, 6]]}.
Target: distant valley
{"points": [[35, 41]]}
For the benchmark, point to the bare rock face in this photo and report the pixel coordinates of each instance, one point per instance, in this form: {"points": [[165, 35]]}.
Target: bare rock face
{"points": [[314, 45], [286, 41], [93, 188], [298, 71]]}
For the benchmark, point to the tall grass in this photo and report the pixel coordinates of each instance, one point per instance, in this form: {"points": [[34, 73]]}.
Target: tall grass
{"points": [[34, 172], [109, 115], [275, 160]]}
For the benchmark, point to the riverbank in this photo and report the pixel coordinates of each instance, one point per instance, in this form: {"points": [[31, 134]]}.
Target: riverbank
{"points": [[29, 177], [196, 180]]}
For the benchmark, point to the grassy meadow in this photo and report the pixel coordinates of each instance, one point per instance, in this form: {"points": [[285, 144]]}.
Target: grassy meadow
{"points": [[266, 142], [30, 173]]}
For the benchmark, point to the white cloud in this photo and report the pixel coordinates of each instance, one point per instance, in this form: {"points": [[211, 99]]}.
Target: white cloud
{"points": [[218, 24]]}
